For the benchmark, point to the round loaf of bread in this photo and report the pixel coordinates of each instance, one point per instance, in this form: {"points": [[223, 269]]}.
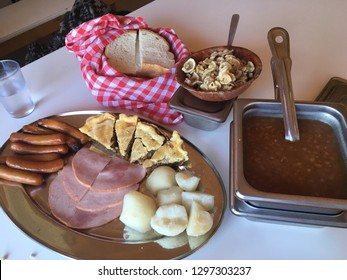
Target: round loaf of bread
{"points": [[142, 53]]}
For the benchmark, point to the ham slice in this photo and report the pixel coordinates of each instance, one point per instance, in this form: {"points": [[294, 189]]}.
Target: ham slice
{"points": [[100, 200], [65, 209], [88, 198], [82, 197], [88, 164], [75, 190], [118, 173]]}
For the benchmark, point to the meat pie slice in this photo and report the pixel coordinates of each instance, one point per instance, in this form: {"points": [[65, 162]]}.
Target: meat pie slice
{"points": [[101, 129], [125, 127], [148, 139], [171, 153]]}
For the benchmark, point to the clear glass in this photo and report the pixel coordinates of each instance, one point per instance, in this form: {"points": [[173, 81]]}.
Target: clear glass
{"points": [[14, 93]]}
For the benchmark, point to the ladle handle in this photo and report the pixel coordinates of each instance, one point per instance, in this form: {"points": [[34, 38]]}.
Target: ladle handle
{"points": [[232, 29], [281, 65]]}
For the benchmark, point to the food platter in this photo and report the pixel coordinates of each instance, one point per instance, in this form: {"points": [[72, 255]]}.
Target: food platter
{"points": [[28, 208]]}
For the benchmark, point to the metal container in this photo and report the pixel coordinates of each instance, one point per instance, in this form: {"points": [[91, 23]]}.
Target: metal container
{"points": [[334, 91], [289, 159], [258, 200], [245, 209], [198, 113]]}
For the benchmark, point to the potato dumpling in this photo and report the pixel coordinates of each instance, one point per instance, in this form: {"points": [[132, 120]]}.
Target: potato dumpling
{"points": [[200, 221], [187, 180], [161, 178], [206, 200], [170, 219], [138, 209], [170, 195]]}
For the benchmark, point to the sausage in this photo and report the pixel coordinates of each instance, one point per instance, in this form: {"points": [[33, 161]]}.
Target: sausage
{"points": [[41, 157], [35, 129], [24, 148], [64, 128], [20, 176], [35, 166], [73, 143], [46, 139]]}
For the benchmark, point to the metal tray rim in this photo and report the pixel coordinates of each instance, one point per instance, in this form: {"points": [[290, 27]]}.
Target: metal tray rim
{"points": [[243, 209]]}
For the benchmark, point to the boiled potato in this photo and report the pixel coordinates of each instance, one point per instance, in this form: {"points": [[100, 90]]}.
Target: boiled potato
{"points": [[200, 221], [187, 180], [206, 200], [138, 209], [161, 178], [170, 195], [170, 219]]}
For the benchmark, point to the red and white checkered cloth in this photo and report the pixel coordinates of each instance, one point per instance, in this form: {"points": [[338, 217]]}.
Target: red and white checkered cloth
{"points": [[147, 97]]}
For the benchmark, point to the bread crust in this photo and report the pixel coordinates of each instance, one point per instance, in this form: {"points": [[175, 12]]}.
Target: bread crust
{"points": [[154, 49], [151, 70]]}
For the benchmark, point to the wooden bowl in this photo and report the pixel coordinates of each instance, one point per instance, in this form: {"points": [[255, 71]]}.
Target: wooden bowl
{"points": [[216, 96]]}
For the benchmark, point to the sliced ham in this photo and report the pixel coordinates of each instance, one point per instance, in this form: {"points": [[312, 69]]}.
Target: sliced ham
{"points": [[88, 198], [118, 173], [87, 165], [94, 200], [72, 186], [65, 209], [82, 198]]}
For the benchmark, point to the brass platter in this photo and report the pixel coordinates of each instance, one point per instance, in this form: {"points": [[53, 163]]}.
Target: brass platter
{"points": [[27, 207]]}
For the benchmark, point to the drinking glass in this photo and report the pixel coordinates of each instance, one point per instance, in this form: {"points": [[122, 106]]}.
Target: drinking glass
{"points": [[14, 93]]}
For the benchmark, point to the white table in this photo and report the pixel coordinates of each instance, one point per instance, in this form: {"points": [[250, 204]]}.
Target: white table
{"points": [[318, 51]]}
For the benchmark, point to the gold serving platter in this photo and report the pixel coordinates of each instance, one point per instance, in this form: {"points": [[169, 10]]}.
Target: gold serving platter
{"points": [[28, 208]]}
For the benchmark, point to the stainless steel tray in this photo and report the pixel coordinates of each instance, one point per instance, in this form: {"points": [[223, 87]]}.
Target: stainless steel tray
{"points": [[28, 208], [198, 113], [333, 114], [245, 209], [289, 214]]}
